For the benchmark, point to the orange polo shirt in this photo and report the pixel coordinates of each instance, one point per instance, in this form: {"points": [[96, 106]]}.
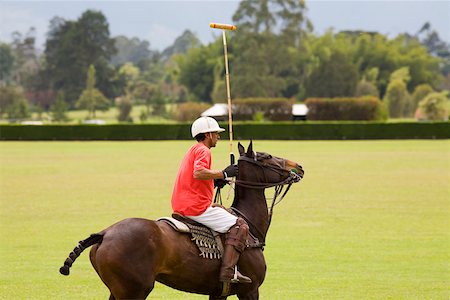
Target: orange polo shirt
{"points": [[191, 197]]}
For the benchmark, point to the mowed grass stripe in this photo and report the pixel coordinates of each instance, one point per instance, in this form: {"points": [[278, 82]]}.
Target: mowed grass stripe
{"points": [[370, 220]]}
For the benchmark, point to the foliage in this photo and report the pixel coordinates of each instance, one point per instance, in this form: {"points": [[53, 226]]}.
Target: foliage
{"points": [[436, 106], [131, 50], [144, 92], [431, 40], [72, 46], [130, 73], [355, 130], [13, 103], [26, 64], [273, 54], [420, 92], [181, 45], [6, 62], [396, 98], [59, 108], [366, 88], [364, 108], [91, 98], [286, 17], [189, 111], [124, 105], [336, 77], [273, 109], [196, 72]]}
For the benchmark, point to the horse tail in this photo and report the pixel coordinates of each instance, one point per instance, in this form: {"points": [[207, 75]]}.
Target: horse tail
{"points": [[82, 245]]}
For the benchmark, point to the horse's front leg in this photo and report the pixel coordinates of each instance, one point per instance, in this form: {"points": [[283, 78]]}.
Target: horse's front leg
{"points": [[249, 295], [217, 297]]}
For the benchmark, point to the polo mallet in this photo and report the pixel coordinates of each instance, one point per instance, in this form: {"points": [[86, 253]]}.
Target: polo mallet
{"points": [[227, 79]]}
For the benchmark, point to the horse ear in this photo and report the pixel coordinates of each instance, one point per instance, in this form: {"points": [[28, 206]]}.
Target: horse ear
{"points": [[250, 149], [241, 149]]}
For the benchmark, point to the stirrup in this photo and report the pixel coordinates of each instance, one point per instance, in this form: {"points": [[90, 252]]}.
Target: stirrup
{"points": [[235, 276]]}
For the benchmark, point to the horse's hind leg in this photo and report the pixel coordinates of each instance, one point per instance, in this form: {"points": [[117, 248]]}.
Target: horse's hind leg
{"points": [[122, 288]]}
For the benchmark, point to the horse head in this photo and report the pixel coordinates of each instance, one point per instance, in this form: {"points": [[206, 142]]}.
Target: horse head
{"points": [[260, 169]]}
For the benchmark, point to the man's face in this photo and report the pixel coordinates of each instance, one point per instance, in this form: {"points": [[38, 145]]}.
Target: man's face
{"points": [[213, 138]]}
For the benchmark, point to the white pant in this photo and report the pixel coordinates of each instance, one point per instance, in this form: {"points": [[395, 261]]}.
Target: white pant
{"points": [[216, 218]]}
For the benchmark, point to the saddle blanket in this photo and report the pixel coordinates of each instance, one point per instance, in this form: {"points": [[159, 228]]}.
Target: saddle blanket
{"points": [[208, 241]]}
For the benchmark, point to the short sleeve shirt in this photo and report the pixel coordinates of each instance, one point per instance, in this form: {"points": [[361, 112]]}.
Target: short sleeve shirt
{"points": [[191, 197]]}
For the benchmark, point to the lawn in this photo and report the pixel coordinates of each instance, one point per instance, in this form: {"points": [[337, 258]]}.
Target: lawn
{"points": [[370, 220]]}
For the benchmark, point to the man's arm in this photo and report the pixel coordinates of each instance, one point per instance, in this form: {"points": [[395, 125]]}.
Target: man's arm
{"points": [[205, 174]]}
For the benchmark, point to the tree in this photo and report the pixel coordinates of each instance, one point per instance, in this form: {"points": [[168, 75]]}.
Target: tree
{"points": [[335, 77], [130, 73], [125, 105], [91, 98], [144, 92], [366, 88], [420, 92], [13, 103], [284, 17], [72, 46], [396, 98], [130, 50], [26, 61], [59, 108], [196, 72], [435, 106], [6, 63], [270, 48], [182, 44]]}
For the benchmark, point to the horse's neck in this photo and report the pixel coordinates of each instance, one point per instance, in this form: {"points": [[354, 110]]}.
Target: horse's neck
{"points": [[252, 204]]}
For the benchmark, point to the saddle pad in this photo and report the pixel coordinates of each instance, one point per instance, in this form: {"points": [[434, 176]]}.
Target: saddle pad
{"points": [[205, 241], [177, 225], [210, 246]]}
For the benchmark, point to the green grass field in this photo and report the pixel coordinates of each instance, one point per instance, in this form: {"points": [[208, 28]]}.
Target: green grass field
{"points": [[370, 220]]}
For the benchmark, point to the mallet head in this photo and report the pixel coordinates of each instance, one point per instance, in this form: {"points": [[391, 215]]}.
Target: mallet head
{"points": [[222, 26]]}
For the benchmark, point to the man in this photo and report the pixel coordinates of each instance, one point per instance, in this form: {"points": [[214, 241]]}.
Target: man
{"points": [[193, 193]]}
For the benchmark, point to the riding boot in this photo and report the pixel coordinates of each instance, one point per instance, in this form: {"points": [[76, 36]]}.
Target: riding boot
{"points": [[234, 246]]}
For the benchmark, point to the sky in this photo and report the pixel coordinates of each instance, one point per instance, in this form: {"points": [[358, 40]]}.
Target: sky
{"points": [[161, 22]]}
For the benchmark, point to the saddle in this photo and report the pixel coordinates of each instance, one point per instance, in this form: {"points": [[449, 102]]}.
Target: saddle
{"points": [[209, 242]]}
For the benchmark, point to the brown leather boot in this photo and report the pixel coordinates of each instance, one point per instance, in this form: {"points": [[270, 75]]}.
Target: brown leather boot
{"points": [[234, 246]]}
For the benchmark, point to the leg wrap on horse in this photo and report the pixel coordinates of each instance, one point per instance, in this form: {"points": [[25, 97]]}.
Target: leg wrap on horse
{"points": [[235, 241]]}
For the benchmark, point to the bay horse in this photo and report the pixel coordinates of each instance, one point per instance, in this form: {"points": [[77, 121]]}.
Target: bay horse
{"points": [[131, 255]]}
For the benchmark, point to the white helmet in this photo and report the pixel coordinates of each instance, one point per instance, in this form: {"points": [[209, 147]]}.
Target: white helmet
{"points": [[205, 124]]}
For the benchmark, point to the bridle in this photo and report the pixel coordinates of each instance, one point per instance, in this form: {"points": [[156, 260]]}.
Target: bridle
{"points": [[291, 177]]}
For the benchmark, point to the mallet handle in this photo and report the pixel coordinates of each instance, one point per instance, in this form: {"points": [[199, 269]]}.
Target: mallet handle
{"points": [[222, 26]]}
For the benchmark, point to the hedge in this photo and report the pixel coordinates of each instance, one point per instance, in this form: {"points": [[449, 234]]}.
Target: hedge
{"points": [[242, 130], [366, 108]]}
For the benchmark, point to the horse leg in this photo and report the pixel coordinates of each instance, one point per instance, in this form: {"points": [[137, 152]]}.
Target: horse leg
{"points": [[125, 279], [122, 289], [249, 295], [217, 297]]}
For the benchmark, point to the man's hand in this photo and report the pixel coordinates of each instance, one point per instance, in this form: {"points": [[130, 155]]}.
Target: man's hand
{"points": [[230, 171], [220, 183]]}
